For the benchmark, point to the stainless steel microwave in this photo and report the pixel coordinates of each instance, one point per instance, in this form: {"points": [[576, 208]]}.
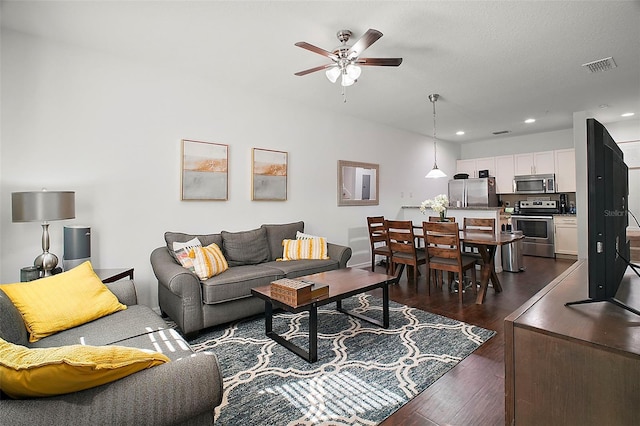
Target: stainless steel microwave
{"points": [[534, 184]]}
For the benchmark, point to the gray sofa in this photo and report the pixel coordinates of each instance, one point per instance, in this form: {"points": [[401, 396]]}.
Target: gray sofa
{"points": [[195, 305], [183, 391]]}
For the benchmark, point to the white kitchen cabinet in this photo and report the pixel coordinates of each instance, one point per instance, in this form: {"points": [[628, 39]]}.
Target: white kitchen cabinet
{"points": [[473, 165], [565, 160], [534, 163], [504, 174], [487, 163], [466, 166], [566, 234]]}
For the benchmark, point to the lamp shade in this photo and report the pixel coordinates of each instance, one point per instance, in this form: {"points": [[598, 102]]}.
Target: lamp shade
{"points": [[42, 206], [435, 173]]}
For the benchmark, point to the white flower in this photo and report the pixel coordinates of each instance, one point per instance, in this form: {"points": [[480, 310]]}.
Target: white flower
{"points": [[439, 204]]}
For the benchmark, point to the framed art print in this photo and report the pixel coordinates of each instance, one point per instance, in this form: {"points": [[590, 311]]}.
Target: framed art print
{"points": [[204, 171], [268, 175]]}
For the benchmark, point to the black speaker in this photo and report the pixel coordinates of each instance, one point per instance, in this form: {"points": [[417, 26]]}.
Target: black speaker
{"points": [[77, 246]]}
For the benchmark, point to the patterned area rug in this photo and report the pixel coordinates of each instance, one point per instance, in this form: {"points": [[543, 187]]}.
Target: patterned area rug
{"points": [[364, 373]]}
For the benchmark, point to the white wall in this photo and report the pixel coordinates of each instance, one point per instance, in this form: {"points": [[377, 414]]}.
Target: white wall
{"points": [[110, 129]]}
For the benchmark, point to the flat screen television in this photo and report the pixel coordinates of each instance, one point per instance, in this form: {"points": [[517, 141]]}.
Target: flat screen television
{"points": [[607, 206]]}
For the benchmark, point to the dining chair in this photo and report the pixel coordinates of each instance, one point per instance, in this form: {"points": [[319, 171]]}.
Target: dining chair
{"points": [[443, 252], [401, 240], [378, 240], [479, 225], [437, 219]]}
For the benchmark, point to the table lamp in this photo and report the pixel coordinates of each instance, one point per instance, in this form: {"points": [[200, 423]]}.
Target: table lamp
{"points": [[43, 206]]}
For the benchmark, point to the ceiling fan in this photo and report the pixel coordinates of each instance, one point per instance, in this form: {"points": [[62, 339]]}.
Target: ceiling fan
{"points": [[346, 59]]}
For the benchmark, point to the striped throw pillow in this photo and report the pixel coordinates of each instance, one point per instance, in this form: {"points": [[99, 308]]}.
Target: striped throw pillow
{"points": [[208, 261], [309, 248], [303, 236]]}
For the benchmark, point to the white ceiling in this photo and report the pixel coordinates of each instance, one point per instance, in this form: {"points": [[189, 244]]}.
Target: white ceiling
{"points": [[493, 63]]}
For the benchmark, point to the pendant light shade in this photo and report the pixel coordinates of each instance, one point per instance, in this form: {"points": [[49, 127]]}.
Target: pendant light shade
{"points": [[435, 172]]}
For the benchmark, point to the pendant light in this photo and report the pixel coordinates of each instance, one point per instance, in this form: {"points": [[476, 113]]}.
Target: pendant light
{"points": [[435, 172]]}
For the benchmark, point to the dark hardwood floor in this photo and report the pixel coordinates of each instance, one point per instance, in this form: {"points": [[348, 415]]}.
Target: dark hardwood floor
{"points": [[472, 393]]}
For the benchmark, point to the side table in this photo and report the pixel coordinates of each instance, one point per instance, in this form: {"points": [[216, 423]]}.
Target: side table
{"points": [[113, 274]]}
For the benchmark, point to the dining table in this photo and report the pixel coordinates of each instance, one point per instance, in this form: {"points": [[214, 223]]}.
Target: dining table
{"points": [[487, 244]]}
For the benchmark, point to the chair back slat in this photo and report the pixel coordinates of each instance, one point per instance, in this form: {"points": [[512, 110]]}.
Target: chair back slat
{"points": [[481, 225], [400, 236], [437, 219], [377, 233]]}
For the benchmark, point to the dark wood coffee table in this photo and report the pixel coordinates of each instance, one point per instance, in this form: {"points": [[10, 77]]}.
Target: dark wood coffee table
{"points": [[342, 283]]}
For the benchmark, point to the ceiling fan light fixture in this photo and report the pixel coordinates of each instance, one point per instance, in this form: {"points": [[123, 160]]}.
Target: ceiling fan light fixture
{"points": [[333, 73], [346, 80], [353, 71]]}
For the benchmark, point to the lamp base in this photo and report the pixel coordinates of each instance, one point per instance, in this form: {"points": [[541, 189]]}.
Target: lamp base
{"points": [[46, 262]]}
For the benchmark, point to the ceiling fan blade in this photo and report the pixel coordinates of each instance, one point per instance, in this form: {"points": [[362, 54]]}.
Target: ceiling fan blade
{"points": [[317, 49], [310, 70], [382, 62], [370, 37]]}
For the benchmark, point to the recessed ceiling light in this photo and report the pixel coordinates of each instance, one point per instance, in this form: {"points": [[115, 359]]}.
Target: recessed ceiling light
{"points": [[460, 132], [530, 120], [628, 114]]}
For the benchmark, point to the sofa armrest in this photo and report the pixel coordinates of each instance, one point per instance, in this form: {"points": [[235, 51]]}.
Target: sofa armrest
{"points": [[180, 281], [179, 291], [168, 394], [125, 291], [341, 253]]}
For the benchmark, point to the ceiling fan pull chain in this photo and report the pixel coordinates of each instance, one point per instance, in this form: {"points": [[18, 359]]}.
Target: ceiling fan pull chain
{"points": [[344, 94]]}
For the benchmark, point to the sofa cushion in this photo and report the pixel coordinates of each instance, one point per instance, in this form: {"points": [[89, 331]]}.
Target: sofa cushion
{"points": [[277, 233], [245, 247], [137, 327], [135, 320], [54, 371], [298, 268], [179, 237], [62, 301], [237, 282], [12, 327]]}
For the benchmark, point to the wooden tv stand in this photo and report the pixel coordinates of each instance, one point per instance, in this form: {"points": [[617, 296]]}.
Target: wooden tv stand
{"points": [[577, 365]]}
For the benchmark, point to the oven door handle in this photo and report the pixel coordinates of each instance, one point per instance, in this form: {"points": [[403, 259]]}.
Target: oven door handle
{"points": [[532, 218]]}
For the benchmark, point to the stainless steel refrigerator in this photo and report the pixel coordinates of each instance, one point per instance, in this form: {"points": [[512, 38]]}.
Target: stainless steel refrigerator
{"points": [[473, 192]]}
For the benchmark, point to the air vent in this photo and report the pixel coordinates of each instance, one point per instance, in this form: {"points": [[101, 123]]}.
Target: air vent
{"points": [[600, 65], [501, 132]]}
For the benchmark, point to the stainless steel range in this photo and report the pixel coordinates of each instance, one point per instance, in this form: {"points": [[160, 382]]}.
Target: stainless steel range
{"points": [[535, 220]]}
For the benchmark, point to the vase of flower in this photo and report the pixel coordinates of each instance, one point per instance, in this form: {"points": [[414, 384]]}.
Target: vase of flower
{"points": [[438, 204]]}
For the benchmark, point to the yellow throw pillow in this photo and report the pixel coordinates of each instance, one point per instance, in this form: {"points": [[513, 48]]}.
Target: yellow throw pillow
{"points": [[303, 236], [54, 371], [63, 301], [208, 261], [310, 248]]}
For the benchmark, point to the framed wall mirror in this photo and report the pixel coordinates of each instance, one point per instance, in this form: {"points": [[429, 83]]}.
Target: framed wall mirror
{"points": [[358, 183]]}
